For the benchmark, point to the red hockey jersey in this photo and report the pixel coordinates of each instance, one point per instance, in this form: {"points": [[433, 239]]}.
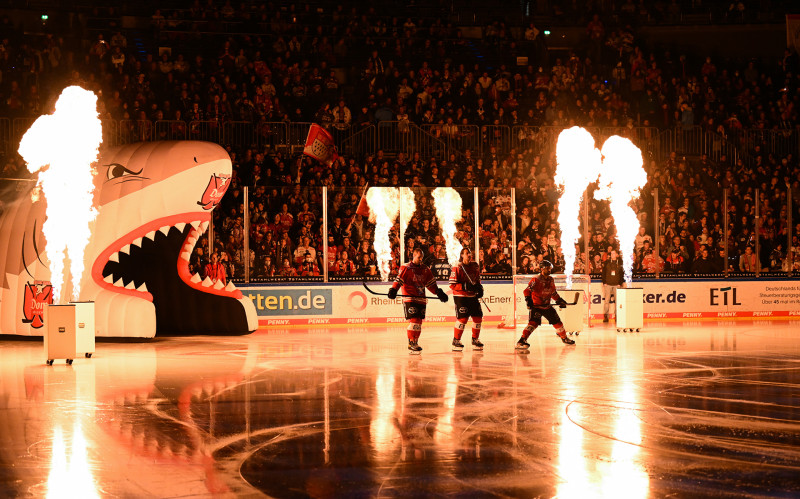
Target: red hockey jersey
{"points": [[542, 289], [462, 274], [412, 280]]}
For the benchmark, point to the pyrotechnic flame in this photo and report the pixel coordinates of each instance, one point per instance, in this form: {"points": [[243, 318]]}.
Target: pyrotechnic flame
{"points": [[578, 166], [448, 210], [384, 203], [621, 179], [62, 147], [407, 208]]}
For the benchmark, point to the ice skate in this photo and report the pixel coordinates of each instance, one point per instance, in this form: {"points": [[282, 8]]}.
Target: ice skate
{"points": [[414, 347], [457, 345], [476, 344], [567, 341], [522, 344]]}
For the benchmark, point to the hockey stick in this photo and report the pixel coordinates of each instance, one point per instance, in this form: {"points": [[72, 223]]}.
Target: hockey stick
{"points": [[364, 283], [502, 325], [577, 297]]}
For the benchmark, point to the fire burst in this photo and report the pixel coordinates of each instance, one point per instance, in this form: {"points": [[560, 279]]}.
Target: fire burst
{"points": [[578, 166], [384, 202], [61, 147], [621, 180], [407, 208], [448, 211]]}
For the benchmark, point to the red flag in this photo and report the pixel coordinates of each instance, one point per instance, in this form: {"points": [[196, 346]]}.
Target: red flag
{"points": [[320, 146], [363, 207]]}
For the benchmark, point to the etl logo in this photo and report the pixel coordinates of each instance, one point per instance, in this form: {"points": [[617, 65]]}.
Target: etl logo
{"points": [[728, 296]]}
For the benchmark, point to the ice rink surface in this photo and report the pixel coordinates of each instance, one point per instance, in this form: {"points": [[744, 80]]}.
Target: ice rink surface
{"points": [[702, 409]]}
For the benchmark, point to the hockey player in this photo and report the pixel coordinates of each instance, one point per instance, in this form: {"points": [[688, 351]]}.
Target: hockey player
{"points": [[465, 281], [412, 279], [540, 290]]}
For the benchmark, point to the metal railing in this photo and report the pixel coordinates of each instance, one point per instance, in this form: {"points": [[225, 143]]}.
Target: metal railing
{"points": [[435, 140]]}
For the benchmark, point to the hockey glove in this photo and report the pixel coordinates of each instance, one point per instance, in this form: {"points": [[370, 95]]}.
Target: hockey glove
{"points": [[562, 303], [529, 301], [442, 295], [392, 294], [479, 291], [469, 287]]}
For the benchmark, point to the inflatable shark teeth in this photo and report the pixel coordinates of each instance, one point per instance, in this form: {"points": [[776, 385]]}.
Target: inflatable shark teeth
{"points": [[195, 224], [130, 285], [109, 279], [142, 288], [180, 226], [165, 229], [207, 282], [114, 257], [126, 249], [196, 278], [203, 227], [230, 287], [137, 242], [218, 285], [151, 235], [191, 241], [119, 283], [185, 255]]}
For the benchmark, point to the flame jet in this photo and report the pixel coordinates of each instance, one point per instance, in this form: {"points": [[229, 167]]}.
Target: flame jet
{"points": [[621, 181], [384, 205], [578, 165], [448, 210], [61, 147]]}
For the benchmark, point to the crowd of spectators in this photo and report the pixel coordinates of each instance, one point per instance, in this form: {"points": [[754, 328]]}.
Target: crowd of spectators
{"points": [[359, 68]]}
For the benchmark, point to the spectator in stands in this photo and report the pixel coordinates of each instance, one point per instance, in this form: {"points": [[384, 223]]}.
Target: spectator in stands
{"points": [[651, 262], [267, 269], [704, 264], [284, 250], [748, 261], [728, 101], [308, 266], [500, 266], [215, 270], [675, 262], [352, 251], [525, 267], [287, 270], [344, 267], [367, 267], [641, 238], [303, 250]]}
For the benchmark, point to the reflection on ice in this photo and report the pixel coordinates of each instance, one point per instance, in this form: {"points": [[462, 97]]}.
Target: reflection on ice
{"points": [[382, 428], [310, 412], [70, 473]]}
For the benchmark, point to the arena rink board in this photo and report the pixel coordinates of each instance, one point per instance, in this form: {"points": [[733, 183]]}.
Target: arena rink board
{"points": [[344, 304]]}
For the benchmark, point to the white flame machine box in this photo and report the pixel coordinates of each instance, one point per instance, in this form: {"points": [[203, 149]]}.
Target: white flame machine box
{"points": [[69, 331], [630, 309]]}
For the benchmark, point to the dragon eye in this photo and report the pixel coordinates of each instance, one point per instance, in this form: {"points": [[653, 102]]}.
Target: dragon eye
{"points": [[116, 170]]}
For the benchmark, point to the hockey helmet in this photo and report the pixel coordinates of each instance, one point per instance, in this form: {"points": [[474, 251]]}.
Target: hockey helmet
{"points": [[545, 264]]}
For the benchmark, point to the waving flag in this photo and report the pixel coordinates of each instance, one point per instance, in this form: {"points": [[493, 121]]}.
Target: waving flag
{"points": [[320, 146]]}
